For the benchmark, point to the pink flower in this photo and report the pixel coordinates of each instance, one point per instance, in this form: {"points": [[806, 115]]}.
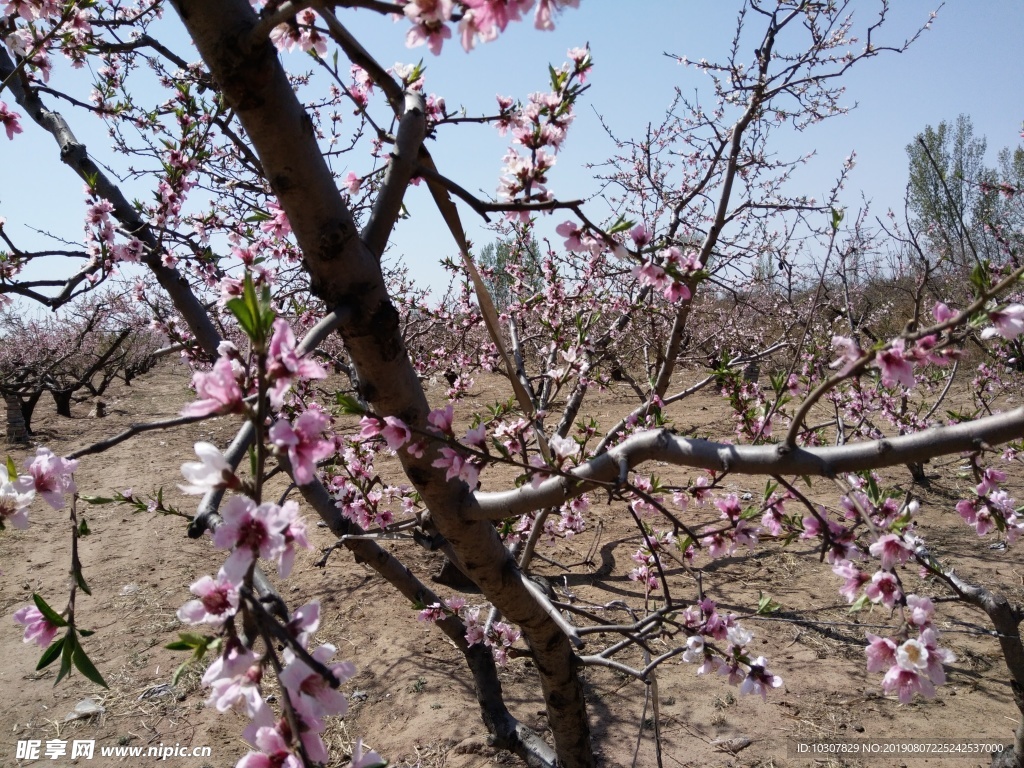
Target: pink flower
{"points": [[895, 368], [305, 621], [441, 419], [968, 510], [855, 579], [651, 274], [936, 656], [395, 432], [361, 759], [303, 443], [274, 752], [759, 679], [984, 524], [912, 656], [253, 531], [639, 234], [564, 447], [942, 313], [923, 352], [677, 291], [848, 349], [313, 697], [881, 653], [812, 527], [883, 589], [701, 490], [429, 12], [38, 628], [920, 610], [15, 499], [891, 549], [352, 183], [294, 532], [1007, 322], [284, 364], [430, 18], [718, 544], [571, 233], [502, 637], [433, 612], [433, 37], [990, 480], [218, 598], [278, 224], [234, 679], [9, 120], [772, 519], [211, 472], [694, 649], [455, 603], [458, 466], [905, 683], [52, 476], [217, 389], [730, 507]]}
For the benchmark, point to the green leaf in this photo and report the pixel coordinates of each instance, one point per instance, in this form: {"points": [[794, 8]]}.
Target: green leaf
{"points": [[65, 656], [80, 580], [83, 528], [860, 605], [837, 217], [96, 499], [349, 405], [50, 654], [87, 632], [86, 667], [622, 224], [12, 471], [766, 605], [184, 665], [979, 276], [48, 613], [188, 641], [243, 314]]}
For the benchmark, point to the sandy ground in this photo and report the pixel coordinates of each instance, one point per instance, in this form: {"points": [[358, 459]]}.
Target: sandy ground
{"points": [[411, 699]]}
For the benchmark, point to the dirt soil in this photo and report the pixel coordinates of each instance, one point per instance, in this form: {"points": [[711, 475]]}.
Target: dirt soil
{"points": [[411, 699]]}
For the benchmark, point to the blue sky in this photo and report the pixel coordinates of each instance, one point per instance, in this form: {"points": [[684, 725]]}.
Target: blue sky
{"points": [[969, 62]]}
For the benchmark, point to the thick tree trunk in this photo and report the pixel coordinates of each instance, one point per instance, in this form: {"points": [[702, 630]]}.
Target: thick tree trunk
{"points": [[62, 398], [345, 272], [28, 407]]}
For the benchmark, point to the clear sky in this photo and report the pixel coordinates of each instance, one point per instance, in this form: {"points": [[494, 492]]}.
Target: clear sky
{"points": [[969, 62]]}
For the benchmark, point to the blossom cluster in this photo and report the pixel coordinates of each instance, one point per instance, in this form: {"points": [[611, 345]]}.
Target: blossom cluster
{"points": [[539, 128], [670, 272], [481, 20], [736, 663], [498, 635]]}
